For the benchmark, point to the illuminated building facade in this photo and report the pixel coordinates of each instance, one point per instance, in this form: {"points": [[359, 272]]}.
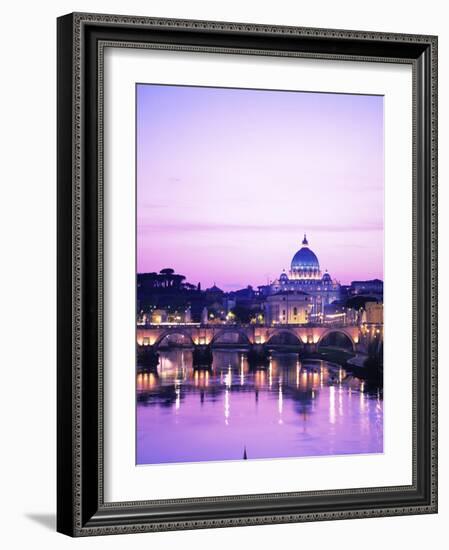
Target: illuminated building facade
{"points": [[288, 307], [373, 314], [304, 277]]}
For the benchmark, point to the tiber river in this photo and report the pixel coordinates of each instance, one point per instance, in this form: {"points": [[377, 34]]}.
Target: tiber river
{"points": [[290, 409]]}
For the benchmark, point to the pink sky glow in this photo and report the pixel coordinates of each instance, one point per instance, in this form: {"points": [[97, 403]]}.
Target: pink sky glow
{"points": [[229, 180]]}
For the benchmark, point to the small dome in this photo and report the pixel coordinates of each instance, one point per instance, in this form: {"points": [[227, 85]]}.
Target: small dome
{"points": [[214, 288], [327, 278], [283, 277]]}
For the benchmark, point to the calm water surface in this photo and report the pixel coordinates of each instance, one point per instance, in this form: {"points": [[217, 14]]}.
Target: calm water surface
{"points": [[290, 409]]}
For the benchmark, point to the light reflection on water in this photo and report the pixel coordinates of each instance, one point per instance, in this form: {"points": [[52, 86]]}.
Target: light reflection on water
{"points": [[290, 409]]}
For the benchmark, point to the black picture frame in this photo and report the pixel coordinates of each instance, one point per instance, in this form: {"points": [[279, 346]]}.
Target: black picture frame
{"points": [[81, 509]]}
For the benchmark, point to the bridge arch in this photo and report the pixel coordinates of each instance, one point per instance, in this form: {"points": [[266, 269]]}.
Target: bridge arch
{"points": [[337, 337], [290, 337], [174, 332], [242, 334]]}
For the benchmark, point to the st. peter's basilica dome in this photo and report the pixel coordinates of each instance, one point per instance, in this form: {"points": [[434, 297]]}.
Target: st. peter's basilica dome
{"points": [[305, 263]]}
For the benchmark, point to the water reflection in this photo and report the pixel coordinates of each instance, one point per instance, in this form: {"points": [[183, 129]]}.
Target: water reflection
{"points": [[289, 409]]}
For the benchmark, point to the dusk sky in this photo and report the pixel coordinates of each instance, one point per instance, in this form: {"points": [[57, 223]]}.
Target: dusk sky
{"points": [[229, 180]]}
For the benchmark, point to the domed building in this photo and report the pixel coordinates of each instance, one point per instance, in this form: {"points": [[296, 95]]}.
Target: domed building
{"points": [[305, 264], [304, 277]]}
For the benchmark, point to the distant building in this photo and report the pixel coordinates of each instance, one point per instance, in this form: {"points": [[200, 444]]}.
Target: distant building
{"points": [[288, 307], [373, 314], [373, 287], [336, 314], [214, 293], [305, 276], [244, 296], [158, 316], [204, 316]]}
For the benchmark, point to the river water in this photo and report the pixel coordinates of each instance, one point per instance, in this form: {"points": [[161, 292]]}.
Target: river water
{"points": [[290, 409]]}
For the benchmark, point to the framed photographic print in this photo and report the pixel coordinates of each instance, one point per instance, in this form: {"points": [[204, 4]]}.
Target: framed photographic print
{"points": [[247, 283]]}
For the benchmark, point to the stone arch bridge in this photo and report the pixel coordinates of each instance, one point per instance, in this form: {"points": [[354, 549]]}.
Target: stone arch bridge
{"points": [[210, 335]]}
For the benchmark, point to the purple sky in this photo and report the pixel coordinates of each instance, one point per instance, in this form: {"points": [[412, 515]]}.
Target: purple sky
{"points": [[228, 181]]}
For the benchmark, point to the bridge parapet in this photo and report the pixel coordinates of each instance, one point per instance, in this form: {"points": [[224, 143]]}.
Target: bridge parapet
{"points": [[196, 334]]}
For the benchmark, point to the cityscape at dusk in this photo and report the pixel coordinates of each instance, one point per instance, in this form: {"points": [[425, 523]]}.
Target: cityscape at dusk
{"points": [[229, 179], [259, 284]]}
